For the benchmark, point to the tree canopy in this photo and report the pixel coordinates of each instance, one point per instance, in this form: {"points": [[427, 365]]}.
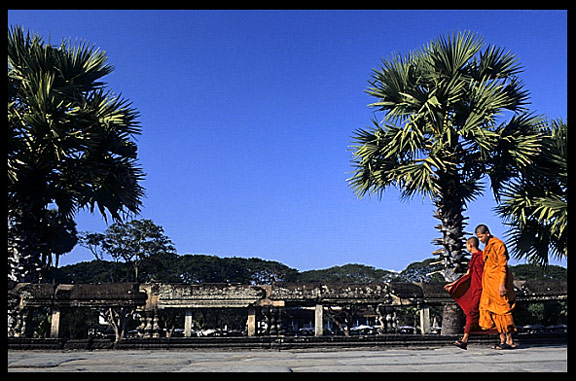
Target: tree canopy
{"points": [[535, 205], [70, 146], [200, 268], [454, 115], [131, 242]]}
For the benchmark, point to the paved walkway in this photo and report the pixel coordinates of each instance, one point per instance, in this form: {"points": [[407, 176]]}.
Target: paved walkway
{"points": [[443, 359]]}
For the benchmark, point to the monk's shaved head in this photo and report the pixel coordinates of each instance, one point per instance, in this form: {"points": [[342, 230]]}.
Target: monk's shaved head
{"points": [[482, 229], [473, 241]]}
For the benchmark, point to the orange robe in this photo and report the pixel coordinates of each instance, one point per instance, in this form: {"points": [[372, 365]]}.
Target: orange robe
{"points": [[496, 310]]}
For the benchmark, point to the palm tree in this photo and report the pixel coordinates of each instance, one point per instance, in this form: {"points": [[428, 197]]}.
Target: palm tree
{"points": [[69, 144], [535, 205], [444, 131]]}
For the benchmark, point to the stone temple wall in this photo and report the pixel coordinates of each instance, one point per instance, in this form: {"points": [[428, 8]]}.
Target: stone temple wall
{"points": [[271, 300]]}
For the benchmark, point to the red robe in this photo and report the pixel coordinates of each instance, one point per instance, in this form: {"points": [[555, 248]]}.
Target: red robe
{"points": [[466, 291]]}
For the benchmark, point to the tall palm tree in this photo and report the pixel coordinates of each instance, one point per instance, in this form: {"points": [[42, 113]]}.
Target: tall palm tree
{"points": [[535, 205], [70, 144], [444, 131]]}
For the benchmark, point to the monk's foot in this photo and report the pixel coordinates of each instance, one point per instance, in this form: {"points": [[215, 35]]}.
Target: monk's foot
{"points": [[461, 344], [502, 346]]}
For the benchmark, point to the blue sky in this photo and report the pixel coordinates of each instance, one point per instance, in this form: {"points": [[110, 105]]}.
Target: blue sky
{"points": [[247, 117]]}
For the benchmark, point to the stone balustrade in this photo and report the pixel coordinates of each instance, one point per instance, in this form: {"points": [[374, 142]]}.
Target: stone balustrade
{"points": [[151, 298]]}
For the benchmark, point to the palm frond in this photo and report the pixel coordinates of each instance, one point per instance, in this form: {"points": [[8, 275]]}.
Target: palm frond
{"points": [[371, 162], [417, 177], [390, 84], [535, 205], [496, 63], [451, 54], [442, 133], [67, 129], [520, 139]]}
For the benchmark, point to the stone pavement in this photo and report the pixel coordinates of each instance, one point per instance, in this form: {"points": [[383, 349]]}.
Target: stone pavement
{"points": [[478, 358]]}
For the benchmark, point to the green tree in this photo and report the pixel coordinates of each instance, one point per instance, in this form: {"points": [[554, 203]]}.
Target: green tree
{"points": [[96, 271], [59, 236], [444, 131], [212, 269], [425, 271], [209, 269], [535, 205], [261, 271], [130, 242], [536, 272], [69, 144], [349, 273]]}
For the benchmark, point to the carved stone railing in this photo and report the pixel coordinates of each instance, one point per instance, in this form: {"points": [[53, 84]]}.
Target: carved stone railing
{"points": [[24, 296], [151, 298], [161, 296], [76, 295]]}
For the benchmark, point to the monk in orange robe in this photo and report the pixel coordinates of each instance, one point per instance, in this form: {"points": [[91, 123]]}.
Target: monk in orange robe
{"points": [[466, 291], [498, 298]]}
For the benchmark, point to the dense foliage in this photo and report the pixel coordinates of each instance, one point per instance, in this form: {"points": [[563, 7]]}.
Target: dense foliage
{"points": [[535, 205], [195, 269]]}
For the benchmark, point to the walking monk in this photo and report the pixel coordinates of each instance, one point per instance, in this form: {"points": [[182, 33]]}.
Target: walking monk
{"points": [[498, 297], [466, 291]]}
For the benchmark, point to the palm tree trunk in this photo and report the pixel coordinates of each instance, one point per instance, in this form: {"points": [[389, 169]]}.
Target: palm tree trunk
{"points": [[23, 250], [453, 319], [449, 208], [449, 211]]}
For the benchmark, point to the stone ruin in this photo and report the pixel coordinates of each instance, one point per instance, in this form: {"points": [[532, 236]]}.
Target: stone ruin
{"points": [[256, 300]]}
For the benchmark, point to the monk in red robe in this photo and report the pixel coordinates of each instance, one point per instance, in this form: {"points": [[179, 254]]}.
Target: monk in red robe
{"points": [[467, 290], [498, 296]]}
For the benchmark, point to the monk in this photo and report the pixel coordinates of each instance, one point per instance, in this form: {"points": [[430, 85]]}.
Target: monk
{"points": [[498, 298], [466, 291]]}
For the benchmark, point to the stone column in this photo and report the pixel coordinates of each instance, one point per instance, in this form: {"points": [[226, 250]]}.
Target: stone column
{"points": [[144, 327], [151, 324], [280, 321], [155, 327], [251, 322], [272, 321], [318, 320], [55, 324], [188, 323], [17, 322], [425, 319]]}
